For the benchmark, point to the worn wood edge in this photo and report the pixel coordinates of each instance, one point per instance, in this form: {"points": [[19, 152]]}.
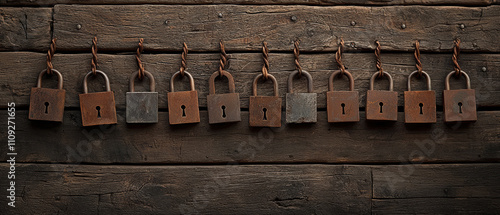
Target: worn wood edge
{"points": [[244, 67], [436, 181], [25, 28], [250, 2], [360, 142], [315, 26], [220, 189]]}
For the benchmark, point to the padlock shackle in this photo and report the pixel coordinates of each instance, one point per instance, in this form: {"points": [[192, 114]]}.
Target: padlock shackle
{"points": [[59, 79], [191, 80], [273, 79], [337, 72], [384, 73], [152, 82], [106, 79], [429, 88], [447, 80], [309, 81], [211, 82]]}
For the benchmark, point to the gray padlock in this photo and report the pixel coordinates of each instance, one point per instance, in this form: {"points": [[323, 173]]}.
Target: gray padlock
{"points": [[142, 107], [301, 107]]}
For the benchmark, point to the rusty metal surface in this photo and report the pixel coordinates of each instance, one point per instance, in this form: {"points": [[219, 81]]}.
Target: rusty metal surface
{"points": [[420, 106], [342, 106], [459, 105], [183, 106], [301, 107], [265, 111], [381, 104], [142, 107], [223, 108], [47, 104], [97, 108]]}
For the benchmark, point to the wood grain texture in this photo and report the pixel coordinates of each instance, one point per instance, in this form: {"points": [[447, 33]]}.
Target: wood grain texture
{"points": [[361, 142], [258, 2], [225, 189], [244, 67], [25, 28], [436, 189], [244, 28]]}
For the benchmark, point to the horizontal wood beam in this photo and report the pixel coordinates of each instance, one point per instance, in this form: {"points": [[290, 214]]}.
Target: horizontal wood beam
{"points": [[19, 73], [225, 189], [361, 142], [257, 2], [243, 28], [25, 28]]}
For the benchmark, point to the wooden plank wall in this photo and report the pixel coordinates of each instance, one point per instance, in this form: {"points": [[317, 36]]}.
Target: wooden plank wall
{"points": [[354, 168]]}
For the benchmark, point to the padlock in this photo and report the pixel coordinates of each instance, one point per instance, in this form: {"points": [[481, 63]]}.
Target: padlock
{"points": [[183, 106], [420, 106], [342, 106], [265, 111], [223, 107], [97, 108], [47, 104], [459, 105], [381, 104], [142, 107], [301, 107]]}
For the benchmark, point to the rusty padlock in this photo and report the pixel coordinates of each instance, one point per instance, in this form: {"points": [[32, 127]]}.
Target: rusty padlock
{"points": [[381, 104], [342, 106], [223, 107], [459, 105], [301, 107], [142, 107], [265, 111], [47, 104], [97, 108], [183, 106], [420, 106]]}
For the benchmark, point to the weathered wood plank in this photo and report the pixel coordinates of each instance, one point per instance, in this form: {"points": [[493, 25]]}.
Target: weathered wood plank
{"points": [[25, 28], [436, 181], [436, 189], [225, 189], [436, 206], [245, 27], [20, 70], [258, 2], [361, 142]]}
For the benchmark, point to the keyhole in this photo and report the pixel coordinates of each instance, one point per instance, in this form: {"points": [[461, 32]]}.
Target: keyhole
{"points": [[381, 104], [265, 113], [421, 110], [223, 111], [47, 107], [183, 111], [460, 107], [98, 108], [343, 106]]}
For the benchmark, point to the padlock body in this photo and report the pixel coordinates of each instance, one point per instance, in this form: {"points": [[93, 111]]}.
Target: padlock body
{"points": [[47, 104], [265, 111], [142, 107], [342, 106], [183, 107], [301, 107], [223, 108], [381, 105], [459, 105], [420, 106], [98, 108]]}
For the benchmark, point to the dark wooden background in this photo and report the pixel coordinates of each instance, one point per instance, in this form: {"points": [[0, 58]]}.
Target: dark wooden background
{"points": [[322, 168]]}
